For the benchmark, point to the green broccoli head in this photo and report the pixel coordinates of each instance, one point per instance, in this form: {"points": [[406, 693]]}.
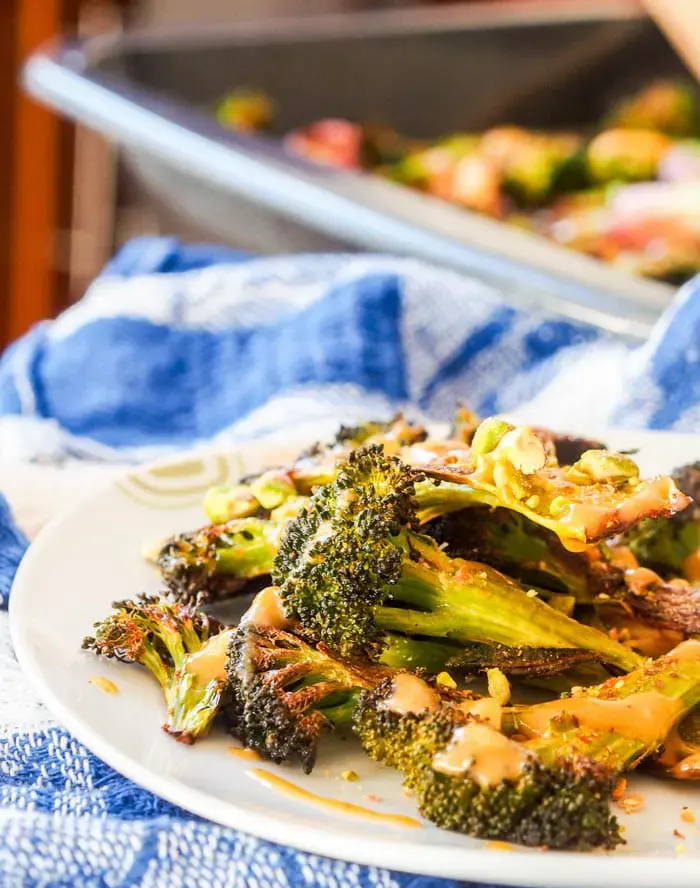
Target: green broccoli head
{"points": [[338, 556], [182, 648], [560, 806], [469, 777], [287, 693]]}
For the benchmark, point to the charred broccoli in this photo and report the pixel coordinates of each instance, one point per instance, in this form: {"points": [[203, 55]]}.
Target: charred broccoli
{"points": [[183, 649], [278, 489], [537, 775], [665, 106], [354, 574], [288, 693], [219, 560], [469, 777]]}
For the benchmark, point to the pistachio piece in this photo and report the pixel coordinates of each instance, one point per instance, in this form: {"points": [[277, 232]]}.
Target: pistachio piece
{"points": [[271, 489], [226, 502], [487, 436], [601, 465], [510, 482], [498, 686], [524, 449]]}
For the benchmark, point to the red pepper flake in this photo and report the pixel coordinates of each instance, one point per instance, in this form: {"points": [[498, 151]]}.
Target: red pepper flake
{"points": [[620, 789]]}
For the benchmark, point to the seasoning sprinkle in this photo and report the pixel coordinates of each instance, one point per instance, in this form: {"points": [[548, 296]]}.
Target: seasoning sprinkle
{"points": [[687, 815], [632, 803], [104, 684], [620, 789], [446, 680]]}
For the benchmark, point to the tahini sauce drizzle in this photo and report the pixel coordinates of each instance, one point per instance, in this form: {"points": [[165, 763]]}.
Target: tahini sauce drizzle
{"points": [[209, 663], [410, 694], [273, 781], [266, 610], [483, 753], [642, 717]]}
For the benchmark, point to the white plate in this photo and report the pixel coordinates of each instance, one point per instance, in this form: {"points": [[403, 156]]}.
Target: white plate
{"points": [[90, 556]]}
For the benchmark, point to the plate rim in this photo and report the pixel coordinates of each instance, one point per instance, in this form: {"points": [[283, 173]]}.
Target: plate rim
{"points": [[443, 861]]}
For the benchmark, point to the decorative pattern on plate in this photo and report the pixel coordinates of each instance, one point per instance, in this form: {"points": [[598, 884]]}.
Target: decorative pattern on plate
{"points": [[181, 483]]}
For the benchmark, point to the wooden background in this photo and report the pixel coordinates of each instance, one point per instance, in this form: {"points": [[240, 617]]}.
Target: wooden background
{"points": [[35, 173]]}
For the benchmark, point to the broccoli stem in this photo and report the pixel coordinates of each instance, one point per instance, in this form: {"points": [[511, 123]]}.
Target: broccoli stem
{"points": [[518, 547], [342, 713], [434, 500], [468, 602], [616, 752], [621, 721], [402, 652]]}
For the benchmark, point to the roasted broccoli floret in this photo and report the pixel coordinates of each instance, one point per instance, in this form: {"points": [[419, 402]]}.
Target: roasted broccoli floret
{"points": [[183, 649], [532, 165], [469, 777], [219, 560], [664, 546], [280, 489], [537, 775], [600, 495], [353, 573], [288, 693]]}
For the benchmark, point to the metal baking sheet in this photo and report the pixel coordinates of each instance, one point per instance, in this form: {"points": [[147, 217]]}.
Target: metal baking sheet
{"points": [[424, 72]]}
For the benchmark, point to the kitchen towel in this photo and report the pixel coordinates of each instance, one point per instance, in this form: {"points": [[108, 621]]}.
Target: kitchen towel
{"points": [[178, 346]]}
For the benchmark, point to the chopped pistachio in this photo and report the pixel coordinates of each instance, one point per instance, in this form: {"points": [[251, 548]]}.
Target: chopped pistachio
{"points": [[558, 505], [227, 502], [524, 449], [498, 686], [350, 775], [487, 436], [446, 680], [271, 489], [600, 465]]}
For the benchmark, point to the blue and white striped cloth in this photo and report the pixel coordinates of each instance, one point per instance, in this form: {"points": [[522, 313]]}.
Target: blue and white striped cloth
{"points": [[180, 346]]}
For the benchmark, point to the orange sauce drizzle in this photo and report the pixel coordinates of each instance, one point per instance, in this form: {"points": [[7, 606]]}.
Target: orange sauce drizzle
{"points": [[104, 684], [242, 753], [272, 781]]}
